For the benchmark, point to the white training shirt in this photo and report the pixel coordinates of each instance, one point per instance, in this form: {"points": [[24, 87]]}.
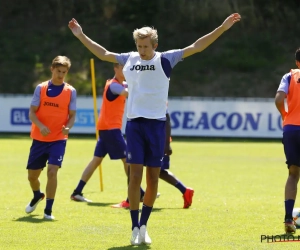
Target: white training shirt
{"points": [[148, 86]]}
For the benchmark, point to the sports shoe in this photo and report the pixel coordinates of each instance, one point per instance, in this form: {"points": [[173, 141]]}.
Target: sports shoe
{"points": [[188, 197], [144, 236], [142, 198], [79, 197], [135, 237], [33, 204], [123, 204], [49, 217], [289, 226]]}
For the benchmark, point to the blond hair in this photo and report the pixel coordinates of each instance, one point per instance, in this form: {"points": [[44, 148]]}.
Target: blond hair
{"points": [[146, 32], [61, 61]]}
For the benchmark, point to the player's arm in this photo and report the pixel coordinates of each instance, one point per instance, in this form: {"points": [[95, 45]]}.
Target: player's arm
{"points": [[70, 123], [33, 118], [124, 92], [168, 149], [34, 106], [282, 91], [92, 46], [72, 113], [279, 102], [71, 120], [116, 89], [203, 42]]}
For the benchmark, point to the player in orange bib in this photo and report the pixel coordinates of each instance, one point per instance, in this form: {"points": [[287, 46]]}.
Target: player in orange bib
{"points": [[111, 140], [52, 112], [289, 88]]}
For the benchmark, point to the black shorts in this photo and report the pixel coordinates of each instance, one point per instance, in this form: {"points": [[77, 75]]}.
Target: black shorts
{"points": [[291, 143]]}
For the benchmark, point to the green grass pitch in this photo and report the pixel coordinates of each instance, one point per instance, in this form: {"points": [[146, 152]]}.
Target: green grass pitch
{"points": [[239, 189]]}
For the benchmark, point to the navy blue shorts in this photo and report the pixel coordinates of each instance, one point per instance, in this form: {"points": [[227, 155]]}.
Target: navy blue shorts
{"points": [[111, 142], [41, 152], [291, 143], [165, 163], [145, 141]]}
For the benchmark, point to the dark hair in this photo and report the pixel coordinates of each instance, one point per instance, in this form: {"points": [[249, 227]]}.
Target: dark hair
{"points": [[297, 55]]}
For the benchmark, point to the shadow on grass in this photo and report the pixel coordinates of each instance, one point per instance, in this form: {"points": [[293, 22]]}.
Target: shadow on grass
{"points": [[130, 247], [157, 209], [99, 204], [107, 204], [32, 219]]}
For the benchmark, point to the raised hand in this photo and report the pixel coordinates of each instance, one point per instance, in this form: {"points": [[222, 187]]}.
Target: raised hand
{"points": [[75, 27], [231, 20]]}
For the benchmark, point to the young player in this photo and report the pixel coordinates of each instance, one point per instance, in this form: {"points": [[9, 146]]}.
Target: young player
{"points": [[147, 73], [289, 88], [52, 112], [111, 140]]}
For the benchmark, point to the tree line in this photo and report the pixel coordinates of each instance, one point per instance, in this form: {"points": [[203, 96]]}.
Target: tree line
{"points": [[248, 60]]}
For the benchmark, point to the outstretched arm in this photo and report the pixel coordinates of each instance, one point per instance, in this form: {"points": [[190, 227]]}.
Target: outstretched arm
{"points": [[92, 46], [203, 42]]}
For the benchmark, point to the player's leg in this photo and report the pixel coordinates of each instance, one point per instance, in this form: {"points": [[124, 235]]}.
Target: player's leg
{"points": [[169, 177], [290, 197], [291, 142], [136, 174], [152, 176], [155, 134], [99, 153], [87, 173], [50, 190], [36, 162], [90, 169], [56, 151], [33, 178], [135, 158], [115, 147], [124, 203], [126, 168]]}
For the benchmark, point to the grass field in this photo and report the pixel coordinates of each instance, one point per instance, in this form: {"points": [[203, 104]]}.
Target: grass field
{"points": [[238, 197]]}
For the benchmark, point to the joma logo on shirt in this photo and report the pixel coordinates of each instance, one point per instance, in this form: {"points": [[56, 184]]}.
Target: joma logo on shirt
{"points": [[51, 104], [142, 67]]}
